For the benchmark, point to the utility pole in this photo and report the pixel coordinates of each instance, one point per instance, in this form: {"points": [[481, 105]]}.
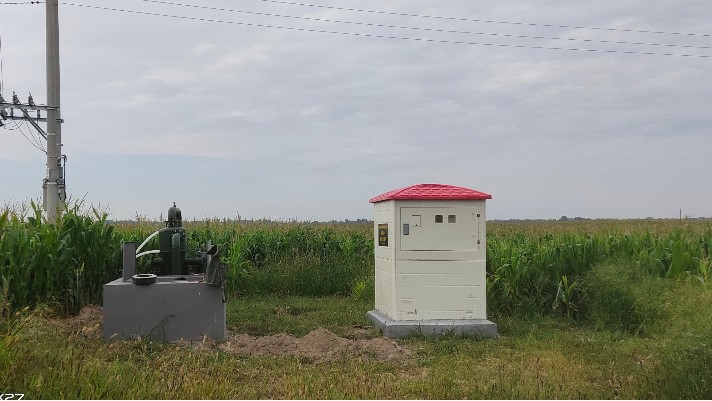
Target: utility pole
{"points": [[53, 186]]}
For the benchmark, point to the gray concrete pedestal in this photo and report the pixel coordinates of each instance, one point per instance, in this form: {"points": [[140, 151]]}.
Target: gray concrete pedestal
{"points": [[174, 308], [405, 328]]}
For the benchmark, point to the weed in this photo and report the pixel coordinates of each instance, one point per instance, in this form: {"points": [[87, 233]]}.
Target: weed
{"points": [[620, 296]]}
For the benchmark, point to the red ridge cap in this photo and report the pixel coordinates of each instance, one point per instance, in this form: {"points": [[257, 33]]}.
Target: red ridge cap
{"points": [[431, 192]]}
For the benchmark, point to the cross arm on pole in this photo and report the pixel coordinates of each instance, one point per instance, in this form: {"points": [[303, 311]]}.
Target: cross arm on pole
{"points": [[34, 124], [19, 106]]}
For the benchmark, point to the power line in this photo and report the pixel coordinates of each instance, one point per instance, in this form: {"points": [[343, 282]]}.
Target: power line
{"points": [[35, 135], [486, 21], [31, 139], [33, 143], [424, 29], [595, 28], [12, 126], [35, 138], [384, 36]]}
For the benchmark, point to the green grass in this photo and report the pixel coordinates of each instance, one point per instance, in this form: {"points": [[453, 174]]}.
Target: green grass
{"points": [[535, 357], [586, 310], [296, 315]]}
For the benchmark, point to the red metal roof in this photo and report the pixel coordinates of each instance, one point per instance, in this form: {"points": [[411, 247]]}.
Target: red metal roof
{"points": [[431, 192]]}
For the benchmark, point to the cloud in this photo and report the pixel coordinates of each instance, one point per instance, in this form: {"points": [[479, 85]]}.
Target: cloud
{"points": [[176, 144], [334, 119]]}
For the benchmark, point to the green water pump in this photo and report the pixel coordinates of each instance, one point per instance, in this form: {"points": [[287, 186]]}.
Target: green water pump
{"points": [[172, 244], [173, 249]]}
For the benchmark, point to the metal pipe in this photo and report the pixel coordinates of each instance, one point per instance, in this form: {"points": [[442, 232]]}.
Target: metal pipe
{"points": [[194, 261], [175, 251], [147, 253], [145, 242]]}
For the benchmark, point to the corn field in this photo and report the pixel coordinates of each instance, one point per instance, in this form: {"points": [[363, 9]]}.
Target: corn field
{"points": [[531, 267], [64, 264], [538, 268]]}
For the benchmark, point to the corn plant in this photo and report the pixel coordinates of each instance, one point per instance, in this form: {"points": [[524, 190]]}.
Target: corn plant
{"points": [[566, 297], [65, 263], [530, 266], [526, 262]]}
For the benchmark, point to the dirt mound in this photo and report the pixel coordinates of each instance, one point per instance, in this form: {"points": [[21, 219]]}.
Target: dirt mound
{"points": [[87, 323], [320, 345]]}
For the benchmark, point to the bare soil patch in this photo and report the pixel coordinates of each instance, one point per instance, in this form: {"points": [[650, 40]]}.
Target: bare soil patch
{"points": [[320, 345], [87, 323]]}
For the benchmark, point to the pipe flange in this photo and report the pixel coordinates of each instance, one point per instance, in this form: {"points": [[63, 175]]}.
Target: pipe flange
{"points": [[144, 279]]}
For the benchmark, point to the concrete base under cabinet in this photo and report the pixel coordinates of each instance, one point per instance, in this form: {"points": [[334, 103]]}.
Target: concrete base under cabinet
{"points": [[405, 328]]}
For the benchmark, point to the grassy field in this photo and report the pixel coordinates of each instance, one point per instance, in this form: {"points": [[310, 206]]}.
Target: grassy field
{"points": [[535, 357], [593, 309]]}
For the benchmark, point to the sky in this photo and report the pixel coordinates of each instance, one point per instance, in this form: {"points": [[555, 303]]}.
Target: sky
{"points": [[305, 110]]}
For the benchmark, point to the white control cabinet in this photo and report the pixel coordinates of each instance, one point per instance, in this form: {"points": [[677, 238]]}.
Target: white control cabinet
{"points": [[430, 253]]}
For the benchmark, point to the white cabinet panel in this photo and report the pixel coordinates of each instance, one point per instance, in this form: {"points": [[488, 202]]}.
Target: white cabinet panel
{"points": [[439, 228]]}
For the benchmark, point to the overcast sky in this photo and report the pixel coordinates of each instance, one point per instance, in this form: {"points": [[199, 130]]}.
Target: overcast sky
{"points": [[235, 116]]}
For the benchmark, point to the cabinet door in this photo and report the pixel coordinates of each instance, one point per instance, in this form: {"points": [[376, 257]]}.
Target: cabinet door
{"points": [[439, 228]]}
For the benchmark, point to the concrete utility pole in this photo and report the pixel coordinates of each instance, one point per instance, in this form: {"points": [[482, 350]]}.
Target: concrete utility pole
{"points": [[53, 187]]}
